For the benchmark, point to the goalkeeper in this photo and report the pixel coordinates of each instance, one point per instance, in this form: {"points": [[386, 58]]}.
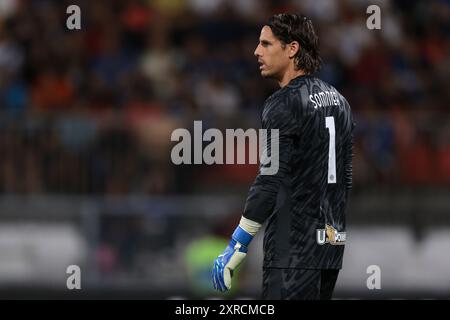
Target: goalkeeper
{"points": [[303, 203]]}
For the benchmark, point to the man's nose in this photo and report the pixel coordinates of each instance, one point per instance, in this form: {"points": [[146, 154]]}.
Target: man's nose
{"points": [[256, 53]]}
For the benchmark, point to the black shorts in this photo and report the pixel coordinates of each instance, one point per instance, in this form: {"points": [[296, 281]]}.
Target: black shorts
{"points": [[299, 284]]}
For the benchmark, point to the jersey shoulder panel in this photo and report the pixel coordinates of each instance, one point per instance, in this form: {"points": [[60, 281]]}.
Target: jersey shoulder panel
{"points": [[280, 113]]}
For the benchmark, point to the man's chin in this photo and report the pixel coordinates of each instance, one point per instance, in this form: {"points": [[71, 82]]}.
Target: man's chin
{"points": [[265, 74]]}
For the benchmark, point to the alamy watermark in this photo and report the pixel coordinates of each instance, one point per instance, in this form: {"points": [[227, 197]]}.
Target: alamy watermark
{"points": [[73, 22], [74, 279], [374, 20], [374, 280], [189, 150]]}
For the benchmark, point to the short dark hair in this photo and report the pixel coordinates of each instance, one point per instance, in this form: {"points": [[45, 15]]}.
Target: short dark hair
{"points": [[288, 27]]}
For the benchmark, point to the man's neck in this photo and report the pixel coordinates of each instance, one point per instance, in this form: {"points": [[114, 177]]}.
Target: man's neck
{"points": [[289, 75]]}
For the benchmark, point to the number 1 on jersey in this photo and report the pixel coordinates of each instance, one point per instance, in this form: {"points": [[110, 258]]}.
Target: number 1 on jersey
{"points": [[329, 123]]}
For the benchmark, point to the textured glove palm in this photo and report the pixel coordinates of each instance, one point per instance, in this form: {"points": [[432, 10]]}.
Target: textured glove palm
{"points": [[233, 255], [226, 263]]}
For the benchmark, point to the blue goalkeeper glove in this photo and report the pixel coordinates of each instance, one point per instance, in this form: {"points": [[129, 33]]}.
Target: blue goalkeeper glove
{"points": [[230, 259]]}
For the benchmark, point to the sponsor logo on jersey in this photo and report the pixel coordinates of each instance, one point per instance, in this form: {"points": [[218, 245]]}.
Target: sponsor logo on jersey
{"points": [[330, 235]]}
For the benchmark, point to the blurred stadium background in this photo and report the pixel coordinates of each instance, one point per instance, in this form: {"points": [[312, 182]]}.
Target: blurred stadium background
{"points": [[85, 124]]}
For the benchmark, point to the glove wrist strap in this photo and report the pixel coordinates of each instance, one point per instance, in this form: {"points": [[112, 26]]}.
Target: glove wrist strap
{"points": [[242, 236], [245, 231]]}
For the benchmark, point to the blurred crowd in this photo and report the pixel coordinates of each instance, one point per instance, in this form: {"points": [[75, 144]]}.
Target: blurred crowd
{"points": [[91, 111]]}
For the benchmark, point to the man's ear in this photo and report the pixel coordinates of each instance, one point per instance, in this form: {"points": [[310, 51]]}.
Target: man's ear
{"points": [[293, 48]]}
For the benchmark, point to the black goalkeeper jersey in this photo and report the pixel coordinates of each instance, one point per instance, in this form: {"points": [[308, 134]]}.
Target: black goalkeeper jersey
{"points": [[304, 202]]}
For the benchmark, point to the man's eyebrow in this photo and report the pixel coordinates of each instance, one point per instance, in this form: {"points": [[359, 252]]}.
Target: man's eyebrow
{"points": [[265, 42]]}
